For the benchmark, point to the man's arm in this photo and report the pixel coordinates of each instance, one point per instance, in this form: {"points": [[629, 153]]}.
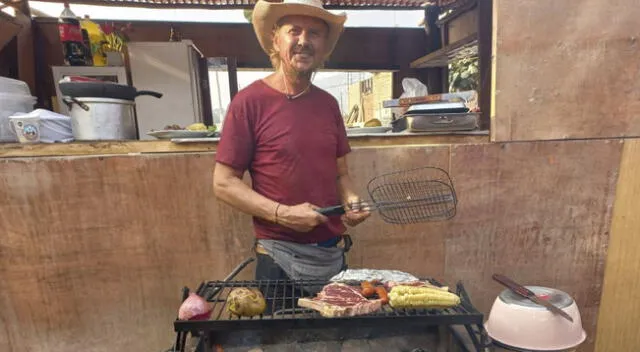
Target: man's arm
{"points": [[350, 198], [229, 187], [345, 186]]}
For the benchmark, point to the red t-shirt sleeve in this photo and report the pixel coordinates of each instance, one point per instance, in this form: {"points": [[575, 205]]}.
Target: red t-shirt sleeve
{"points": [[236, 145], [343, 142]]}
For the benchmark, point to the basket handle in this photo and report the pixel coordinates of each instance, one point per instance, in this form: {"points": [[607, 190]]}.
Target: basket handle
{"points": [[334, 210]]}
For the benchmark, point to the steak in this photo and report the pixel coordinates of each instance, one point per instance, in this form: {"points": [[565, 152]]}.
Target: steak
{"points": [[340, 300]]}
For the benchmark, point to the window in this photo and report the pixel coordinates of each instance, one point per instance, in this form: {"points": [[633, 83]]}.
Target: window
{"points": [[359, 94]]}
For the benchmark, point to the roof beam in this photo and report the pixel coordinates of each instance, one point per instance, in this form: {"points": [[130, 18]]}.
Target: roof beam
{"points": [[249, 4]]}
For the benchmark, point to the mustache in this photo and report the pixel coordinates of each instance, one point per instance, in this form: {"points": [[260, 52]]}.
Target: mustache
{"points": [[304, 49]]}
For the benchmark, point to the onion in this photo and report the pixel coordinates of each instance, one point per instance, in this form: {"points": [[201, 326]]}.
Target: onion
{"points": [[194, 308]]}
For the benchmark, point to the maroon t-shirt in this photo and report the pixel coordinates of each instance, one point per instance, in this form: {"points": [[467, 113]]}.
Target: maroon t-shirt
{"points": [[290, 149]]}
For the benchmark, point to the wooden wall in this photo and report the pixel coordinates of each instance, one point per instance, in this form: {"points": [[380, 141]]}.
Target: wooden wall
{"points": [[17, 52], [620, 308], [575, 76], [95, 250], [357, 49]]}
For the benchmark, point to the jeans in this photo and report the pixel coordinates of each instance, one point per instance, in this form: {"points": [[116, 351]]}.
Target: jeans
{"points": [[279, 297]]}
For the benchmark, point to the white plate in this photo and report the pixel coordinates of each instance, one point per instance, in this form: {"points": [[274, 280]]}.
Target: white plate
{"points": [[168, 134], [362, 130]]}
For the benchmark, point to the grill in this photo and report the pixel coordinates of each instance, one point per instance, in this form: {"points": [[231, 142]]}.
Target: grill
{"points": [[284, 315]]}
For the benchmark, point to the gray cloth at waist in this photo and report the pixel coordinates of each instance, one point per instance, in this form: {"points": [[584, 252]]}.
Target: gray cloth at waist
{"points": [[304, 261]]}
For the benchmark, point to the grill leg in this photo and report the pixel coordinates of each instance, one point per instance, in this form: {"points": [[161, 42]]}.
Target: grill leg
{"points": [[443, 339], [205, 343], [474, 338]]}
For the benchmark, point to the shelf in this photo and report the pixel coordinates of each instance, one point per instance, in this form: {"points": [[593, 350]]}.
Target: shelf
{"points": [[442, 57]]}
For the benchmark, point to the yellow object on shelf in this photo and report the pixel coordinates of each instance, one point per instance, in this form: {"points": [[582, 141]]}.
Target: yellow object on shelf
{"points": [[96, 38], [196, 127], [373, 123]]}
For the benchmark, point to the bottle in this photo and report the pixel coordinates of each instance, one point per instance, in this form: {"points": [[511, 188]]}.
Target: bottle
{"points": [[87, 47], [175, 35], [70, 32]]}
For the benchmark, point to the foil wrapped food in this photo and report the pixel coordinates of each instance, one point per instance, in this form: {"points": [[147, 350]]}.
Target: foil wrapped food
{"points": [[373, 274]]}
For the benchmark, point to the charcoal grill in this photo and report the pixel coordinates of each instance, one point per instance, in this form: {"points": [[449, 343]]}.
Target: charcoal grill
{"points": [[221, 322]]}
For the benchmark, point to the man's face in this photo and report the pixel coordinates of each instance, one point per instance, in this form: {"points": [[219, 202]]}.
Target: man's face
{"points": [[301, 43]]}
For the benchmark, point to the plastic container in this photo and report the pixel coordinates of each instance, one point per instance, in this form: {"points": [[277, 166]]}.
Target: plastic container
{"points": [[518, 324], [11, 104], [13, 86], [27, 128], [47, 126]]}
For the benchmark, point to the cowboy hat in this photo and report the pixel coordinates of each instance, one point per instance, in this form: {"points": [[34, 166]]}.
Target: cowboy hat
{"points": [[267, 14]]}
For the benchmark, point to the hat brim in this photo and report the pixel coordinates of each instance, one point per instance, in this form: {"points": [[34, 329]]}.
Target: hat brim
{"points": [[267, 14]]}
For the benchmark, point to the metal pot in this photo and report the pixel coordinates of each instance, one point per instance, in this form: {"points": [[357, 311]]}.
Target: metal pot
{"points": [[102, 118]]}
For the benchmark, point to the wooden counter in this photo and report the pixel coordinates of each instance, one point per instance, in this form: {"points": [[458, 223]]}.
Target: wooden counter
{"points": [[101, 246], [166, 146]]}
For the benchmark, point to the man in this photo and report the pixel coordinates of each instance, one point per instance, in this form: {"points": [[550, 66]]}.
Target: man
{"points": [[290, 136]]}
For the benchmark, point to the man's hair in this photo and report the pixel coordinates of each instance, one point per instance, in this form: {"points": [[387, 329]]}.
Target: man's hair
{"points": [[274, 56]]}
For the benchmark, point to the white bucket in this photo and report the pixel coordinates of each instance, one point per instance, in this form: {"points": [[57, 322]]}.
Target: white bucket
{"points": [[11, 104]]}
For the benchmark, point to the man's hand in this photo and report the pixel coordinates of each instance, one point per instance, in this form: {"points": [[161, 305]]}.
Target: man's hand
{"points": [[302, 217], [356, 212]]}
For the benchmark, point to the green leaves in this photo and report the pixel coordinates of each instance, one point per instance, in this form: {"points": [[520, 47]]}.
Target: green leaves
{"points": [[464, 74], [247, 14]]}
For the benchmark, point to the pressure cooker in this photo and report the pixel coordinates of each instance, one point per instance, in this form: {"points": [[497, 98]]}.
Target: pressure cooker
{"points": [[102, 110]]}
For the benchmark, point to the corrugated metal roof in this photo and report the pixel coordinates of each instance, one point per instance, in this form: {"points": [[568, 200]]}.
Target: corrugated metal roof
{"points": [[248, 4]]}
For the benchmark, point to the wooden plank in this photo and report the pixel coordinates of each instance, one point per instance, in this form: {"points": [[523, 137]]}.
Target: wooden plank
{"points": [[26, 53], [443, 56], [235, 5], [9, 59], [619, 315], [101, 246], [464, 25], [9, 28], [538, 212], [15, 150], [573, 77], [485, 25]]}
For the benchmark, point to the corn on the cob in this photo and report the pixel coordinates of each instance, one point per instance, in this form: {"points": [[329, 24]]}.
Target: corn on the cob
{"points": [[421, 297]]}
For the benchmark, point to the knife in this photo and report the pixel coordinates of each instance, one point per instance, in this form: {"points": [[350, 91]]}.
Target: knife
{"points": [[524, 292]]}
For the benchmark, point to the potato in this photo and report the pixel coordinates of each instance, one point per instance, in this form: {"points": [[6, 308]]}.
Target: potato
{"points": [[246, 302]]}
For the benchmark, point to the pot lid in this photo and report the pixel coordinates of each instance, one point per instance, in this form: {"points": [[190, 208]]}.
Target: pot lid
{"points": [[556, 297]]}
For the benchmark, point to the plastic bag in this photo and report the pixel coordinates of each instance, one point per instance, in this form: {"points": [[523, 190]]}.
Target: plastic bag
{"points": [[411, 87]]}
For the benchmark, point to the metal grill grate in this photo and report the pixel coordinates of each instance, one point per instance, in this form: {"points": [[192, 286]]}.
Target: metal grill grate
{"points": [[293, 317]]}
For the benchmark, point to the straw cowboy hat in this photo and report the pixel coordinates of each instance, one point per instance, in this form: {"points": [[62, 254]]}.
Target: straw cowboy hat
{"points": [[267, 14]]}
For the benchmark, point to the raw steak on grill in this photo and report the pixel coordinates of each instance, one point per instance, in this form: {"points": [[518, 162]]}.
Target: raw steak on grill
{"points": [[340, 300]]}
